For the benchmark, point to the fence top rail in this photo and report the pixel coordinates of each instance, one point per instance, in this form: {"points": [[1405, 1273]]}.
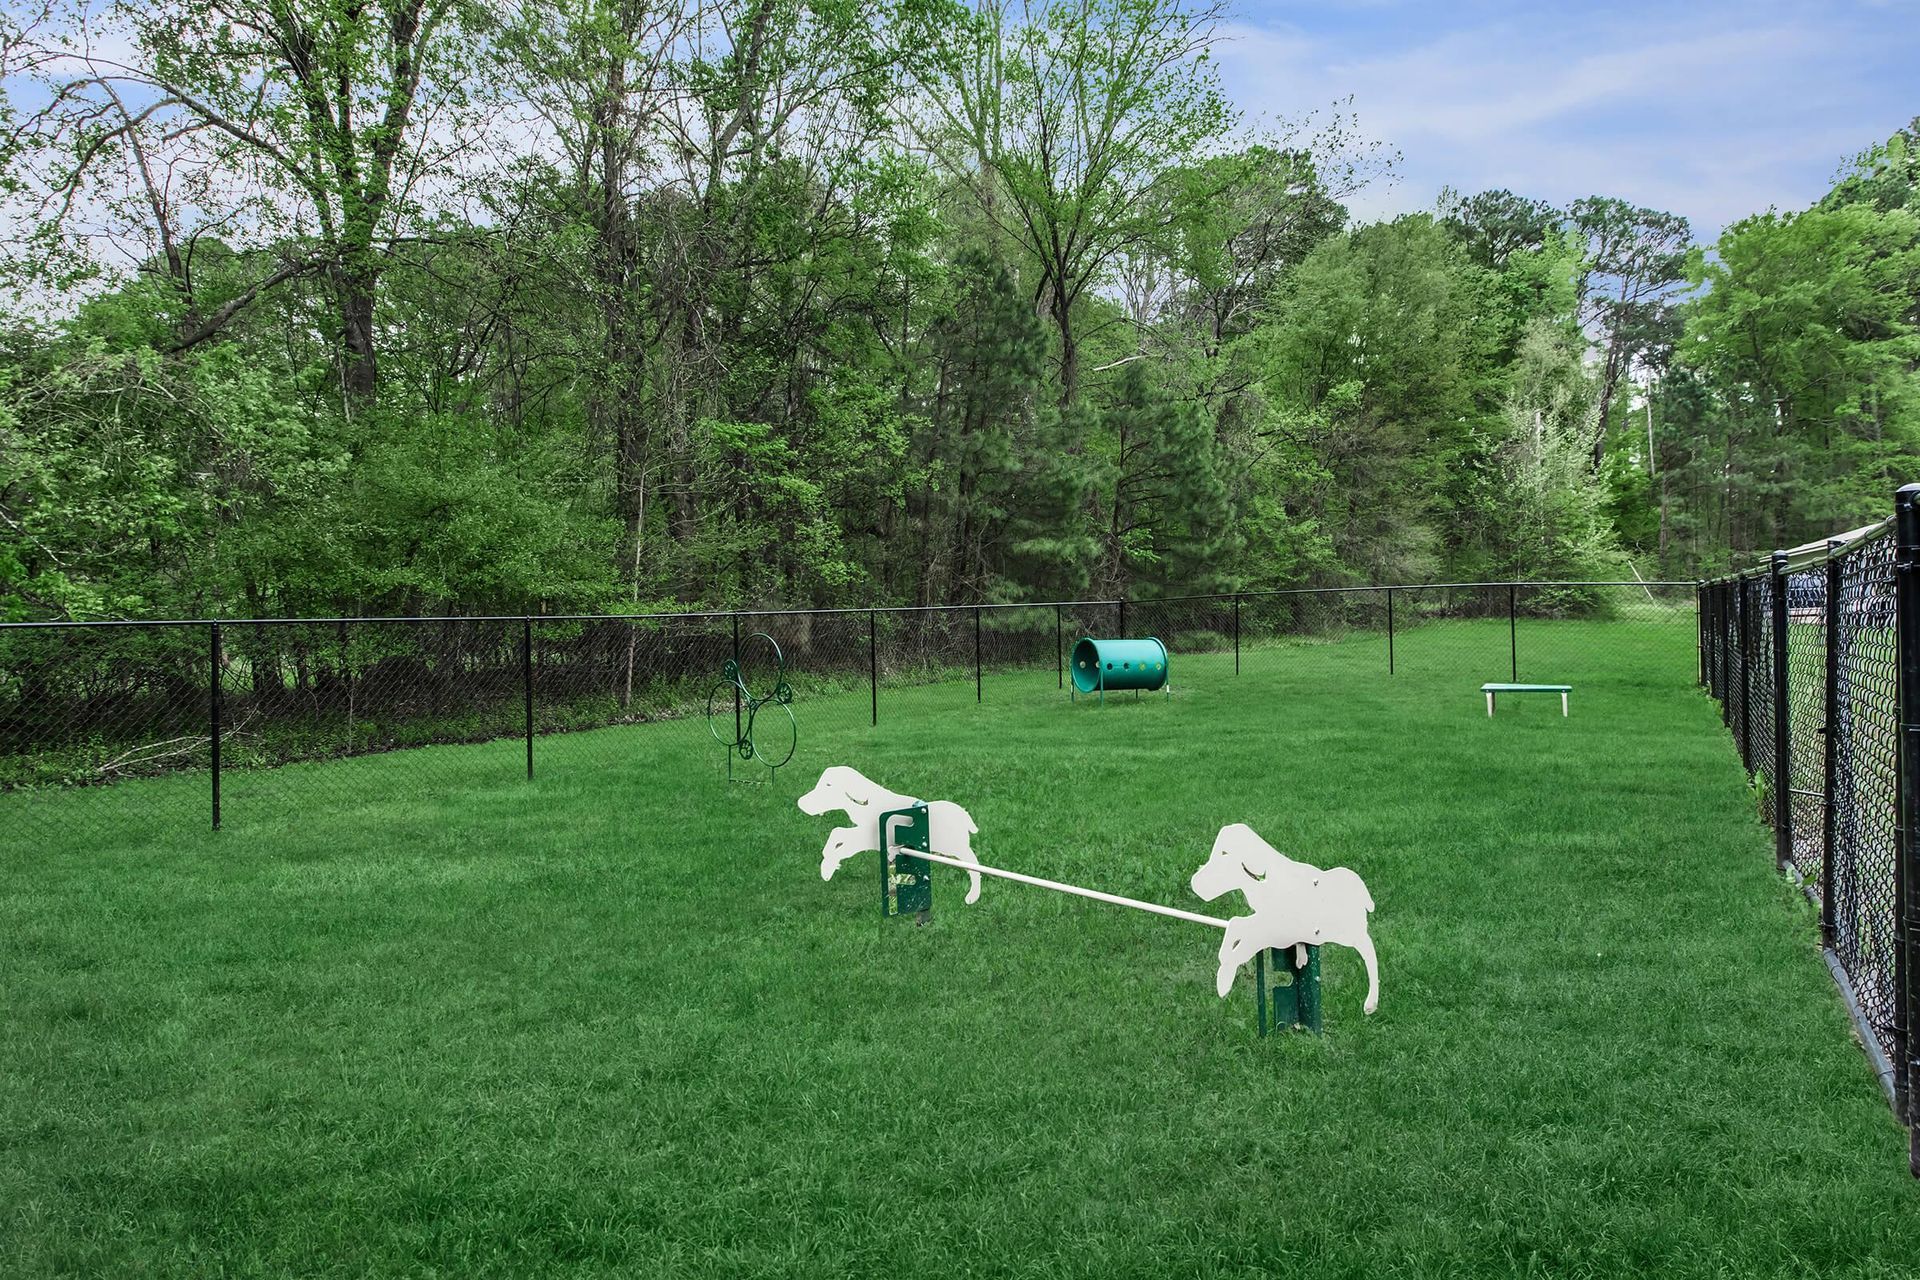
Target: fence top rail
{"points": [[1810, 555], [1838, 545], [717, 614]]}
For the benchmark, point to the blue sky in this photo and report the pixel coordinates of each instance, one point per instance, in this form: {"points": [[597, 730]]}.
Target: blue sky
{"points": [[1714, 109]]}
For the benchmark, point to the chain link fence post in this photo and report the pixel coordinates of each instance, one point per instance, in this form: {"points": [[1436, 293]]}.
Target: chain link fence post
{"points": [[873, 666], [1236, 634], [977, 695], [1906, 857], [1513, 631], [1389, 630], [1713, 641], [1782, 728], [1059, 655], [215, 700], [526, 685], [1700, 625], [1830, 724], [1744, 586], [1723, 649], [1727, 653]]}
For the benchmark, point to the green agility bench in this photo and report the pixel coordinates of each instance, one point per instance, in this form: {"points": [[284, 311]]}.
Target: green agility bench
{"points": [[1493, 690]]}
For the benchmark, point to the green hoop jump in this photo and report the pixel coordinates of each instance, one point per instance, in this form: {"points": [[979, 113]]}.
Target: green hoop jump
{"points": [[1101, 665], [771, 744]]}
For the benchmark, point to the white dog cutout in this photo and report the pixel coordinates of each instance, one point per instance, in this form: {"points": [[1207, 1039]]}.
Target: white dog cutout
{"points": [[863, 801], [1294, 905]]}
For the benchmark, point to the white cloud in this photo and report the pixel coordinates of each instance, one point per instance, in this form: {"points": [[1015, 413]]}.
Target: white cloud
{"points": [[1711, 115]]}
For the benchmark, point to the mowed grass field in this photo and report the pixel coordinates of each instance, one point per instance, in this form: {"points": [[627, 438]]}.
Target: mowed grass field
{"points": [[412, 1014]]}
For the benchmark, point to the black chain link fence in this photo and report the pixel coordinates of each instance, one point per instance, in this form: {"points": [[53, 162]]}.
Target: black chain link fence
{"points": [[1863, 746], [1806, 684], [1762, 726], [129, 731], [1815, 660]]}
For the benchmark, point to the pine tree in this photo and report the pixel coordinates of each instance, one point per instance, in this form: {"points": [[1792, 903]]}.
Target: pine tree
{"points": [[1166, 508]]}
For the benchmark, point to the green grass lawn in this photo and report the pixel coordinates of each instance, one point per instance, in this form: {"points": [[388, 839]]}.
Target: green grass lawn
{"points": [[413, 1014]]}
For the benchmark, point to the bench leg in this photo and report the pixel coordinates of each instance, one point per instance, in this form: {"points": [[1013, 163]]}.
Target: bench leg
{"points": [[1563, 706], [1489, 705]]}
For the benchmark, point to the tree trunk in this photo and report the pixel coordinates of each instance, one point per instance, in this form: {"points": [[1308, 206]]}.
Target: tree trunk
{"points": [[1062, 308], [679, 439], [359, 372], [624, 354], [1609, 378]]}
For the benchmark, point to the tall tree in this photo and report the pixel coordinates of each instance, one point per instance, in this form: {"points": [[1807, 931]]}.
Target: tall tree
{"points": [[1069, 119], [324, 124], [1166, 515], [1381, 375], [606, 76], [1495, 225], [1807, 336], [1636, 264]]}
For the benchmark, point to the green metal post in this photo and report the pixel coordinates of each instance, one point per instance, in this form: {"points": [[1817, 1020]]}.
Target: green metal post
{"points": [[1260, 996], [906, 882], [1294, 995], [1306, 981]]}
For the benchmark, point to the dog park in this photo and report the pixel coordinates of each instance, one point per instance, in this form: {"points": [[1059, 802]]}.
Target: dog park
{"points": [[410, 1009], [1074, 638]]}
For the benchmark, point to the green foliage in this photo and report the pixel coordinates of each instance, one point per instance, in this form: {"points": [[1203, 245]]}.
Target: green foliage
{"points": [[1380, 374], [870, 300], [1546, 514], [1803, 344], [1165, 504], [1494, 226]]}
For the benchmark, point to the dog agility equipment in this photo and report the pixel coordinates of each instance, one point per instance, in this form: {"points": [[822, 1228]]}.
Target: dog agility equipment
{"points": [[863, 801], [1296, 907], [1494, 690], [773, 743], [1119, 665]]}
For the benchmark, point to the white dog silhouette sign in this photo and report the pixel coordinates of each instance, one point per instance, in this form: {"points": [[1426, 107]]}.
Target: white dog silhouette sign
{"points": [[1295, 906]]}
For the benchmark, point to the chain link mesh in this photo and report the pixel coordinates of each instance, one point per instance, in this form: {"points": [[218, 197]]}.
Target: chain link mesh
{"points": [[1807, 723], [1866, 761], [104, 729], [108, 730], [1763, 724], [1737, 665], [1715, 641], [1840, 697]]}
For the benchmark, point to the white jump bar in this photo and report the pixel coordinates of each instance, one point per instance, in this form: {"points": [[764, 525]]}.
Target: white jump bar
{"points": [[1074, 889]]}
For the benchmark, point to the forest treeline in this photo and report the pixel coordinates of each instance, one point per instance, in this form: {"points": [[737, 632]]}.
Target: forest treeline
{"points": [[566, 305]]}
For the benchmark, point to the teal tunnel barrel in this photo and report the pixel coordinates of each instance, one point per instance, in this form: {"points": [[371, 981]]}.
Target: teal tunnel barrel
{"points": [[1119, 664]]}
